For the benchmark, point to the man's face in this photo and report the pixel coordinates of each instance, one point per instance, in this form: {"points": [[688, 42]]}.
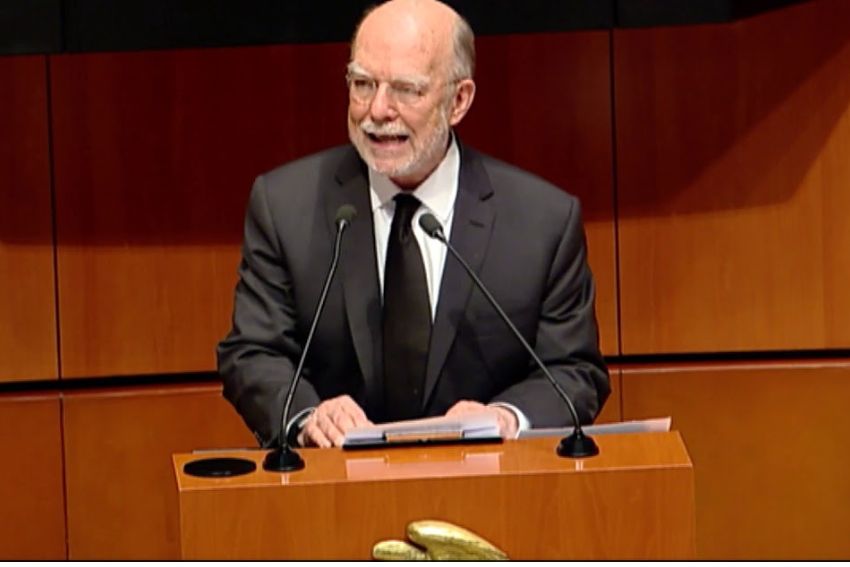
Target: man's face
{"points": [[399, 103]]}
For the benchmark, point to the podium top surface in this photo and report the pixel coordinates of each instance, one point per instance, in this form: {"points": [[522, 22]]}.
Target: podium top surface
{"points": [[525, 456]]}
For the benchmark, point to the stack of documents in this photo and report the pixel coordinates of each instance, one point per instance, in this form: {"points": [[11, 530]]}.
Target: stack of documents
{"points": [[431, 430]]}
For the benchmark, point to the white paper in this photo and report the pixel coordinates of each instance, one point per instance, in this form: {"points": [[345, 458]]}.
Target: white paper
{"points": [[639, 426]]}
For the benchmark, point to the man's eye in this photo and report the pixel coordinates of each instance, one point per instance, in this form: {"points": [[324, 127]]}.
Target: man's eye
{"points": [[406, 89], [362, 84]]}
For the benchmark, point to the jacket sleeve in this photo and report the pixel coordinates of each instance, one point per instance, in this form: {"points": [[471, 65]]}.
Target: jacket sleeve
{"points": [[567, 339], [257, 359]]}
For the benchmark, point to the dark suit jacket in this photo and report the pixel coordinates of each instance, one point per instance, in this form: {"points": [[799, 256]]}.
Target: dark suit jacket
{"points": [[521, 235]]}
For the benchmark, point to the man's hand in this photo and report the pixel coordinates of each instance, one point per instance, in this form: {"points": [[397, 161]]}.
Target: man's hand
{"points": [[508, 423], [327, 425]]}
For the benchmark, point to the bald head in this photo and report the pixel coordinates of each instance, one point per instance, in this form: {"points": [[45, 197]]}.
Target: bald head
{"points": [[426, 25]]}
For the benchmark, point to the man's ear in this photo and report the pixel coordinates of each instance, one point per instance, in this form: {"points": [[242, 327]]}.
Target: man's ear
{"points": [[462, 100]]}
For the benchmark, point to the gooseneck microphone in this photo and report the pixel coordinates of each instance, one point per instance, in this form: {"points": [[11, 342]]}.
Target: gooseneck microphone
{"points": [[576, 445], [285, 458]]}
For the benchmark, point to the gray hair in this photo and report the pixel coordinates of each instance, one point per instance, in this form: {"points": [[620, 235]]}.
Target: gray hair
{"points": [[463, 65]]}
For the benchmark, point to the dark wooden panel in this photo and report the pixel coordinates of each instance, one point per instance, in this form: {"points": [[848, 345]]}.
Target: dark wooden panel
{"points": [[32, 521], [103, 25], [122, 497], [544, 104], [732, 180], [645, 13], [27, 300], [155, 154], [769, 447], [34, 26]]}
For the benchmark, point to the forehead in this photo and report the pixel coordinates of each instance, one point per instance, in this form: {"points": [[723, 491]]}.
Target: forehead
{"points": [[403, 48]]}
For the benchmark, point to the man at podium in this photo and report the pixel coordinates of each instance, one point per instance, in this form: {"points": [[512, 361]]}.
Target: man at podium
{"points": [[405, 333]]}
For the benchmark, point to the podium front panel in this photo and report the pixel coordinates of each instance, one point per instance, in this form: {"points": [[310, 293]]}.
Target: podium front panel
{"points": [[633, 501]]}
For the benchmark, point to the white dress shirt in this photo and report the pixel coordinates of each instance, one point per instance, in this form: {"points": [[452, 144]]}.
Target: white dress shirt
{"points": [[437, 195]]}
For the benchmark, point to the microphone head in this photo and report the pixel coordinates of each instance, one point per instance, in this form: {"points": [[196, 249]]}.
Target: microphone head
{"points": [[345, 214], [431, 226]]}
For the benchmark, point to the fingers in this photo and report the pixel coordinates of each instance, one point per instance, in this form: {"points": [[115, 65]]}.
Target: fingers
{"points": [[464, 407], [349, 407], [507, 420], [327, 426], [312, 436]]}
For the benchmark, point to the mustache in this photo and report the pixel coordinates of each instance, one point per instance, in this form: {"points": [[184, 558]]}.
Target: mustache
{"points": [[367, 126]]}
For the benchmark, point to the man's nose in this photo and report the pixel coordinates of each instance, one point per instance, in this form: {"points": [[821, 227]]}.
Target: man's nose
{"points": [[383, 106]]}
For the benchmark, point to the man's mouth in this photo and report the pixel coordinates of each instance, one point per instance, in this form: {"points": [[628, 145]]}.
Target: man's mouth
{"points": [[387, 139]]}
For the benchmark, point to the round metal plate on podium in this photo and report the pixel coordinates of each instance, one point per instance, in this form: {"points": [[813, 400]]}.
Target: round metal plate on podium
{"points": [[219, 467]]}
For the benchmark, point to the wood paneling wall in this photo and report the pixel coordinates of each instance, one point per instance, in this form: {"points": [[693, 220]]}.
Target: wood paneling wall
{"points": [[122, 497], [733, 168], [27, 306], [769, 446], [32, 504], [155, 153]]}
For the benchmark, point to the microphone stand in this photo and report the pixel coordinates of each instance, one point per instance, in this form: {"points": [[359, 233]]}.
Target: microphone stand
{"points": [[285, 458], [576, 445]]}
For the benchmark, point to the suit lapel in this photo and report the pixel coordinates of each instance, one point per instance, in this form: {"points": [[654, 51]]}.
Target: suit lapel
{"points": [[471, 229], [358, 269]]}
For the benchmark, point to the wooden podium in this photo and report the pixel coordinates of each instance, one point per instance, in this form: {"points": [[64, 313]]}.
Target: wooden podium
{"points": [[635, 500]]}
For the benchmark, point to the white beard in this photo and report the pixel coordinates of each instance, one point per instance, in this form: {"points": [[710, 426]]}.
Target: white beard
{"points": [[433, 147]]}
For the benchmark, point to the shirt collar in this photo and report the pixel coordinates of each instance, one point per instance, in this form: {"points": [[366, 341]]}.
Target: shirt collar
{"points": [[437, 193]]}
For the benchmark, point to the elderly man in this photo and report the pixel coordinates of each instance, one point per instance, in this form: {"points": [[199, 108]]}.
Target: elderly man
{"points": [[404, 333]]}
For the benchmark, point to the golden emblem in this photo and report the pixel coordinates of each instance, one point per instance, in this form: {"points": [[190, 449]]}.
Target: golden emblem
{"points": [[440, 541]]}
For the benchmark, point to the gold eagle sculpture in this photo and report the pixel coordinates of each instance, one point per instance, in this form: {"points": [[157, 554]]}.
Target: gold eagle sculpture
{"points": [[437, 540]]}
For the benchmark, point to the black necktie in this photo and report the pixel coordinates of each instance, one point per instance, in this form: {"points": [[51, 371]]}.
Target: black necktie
{"points": [[407, 316]]}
